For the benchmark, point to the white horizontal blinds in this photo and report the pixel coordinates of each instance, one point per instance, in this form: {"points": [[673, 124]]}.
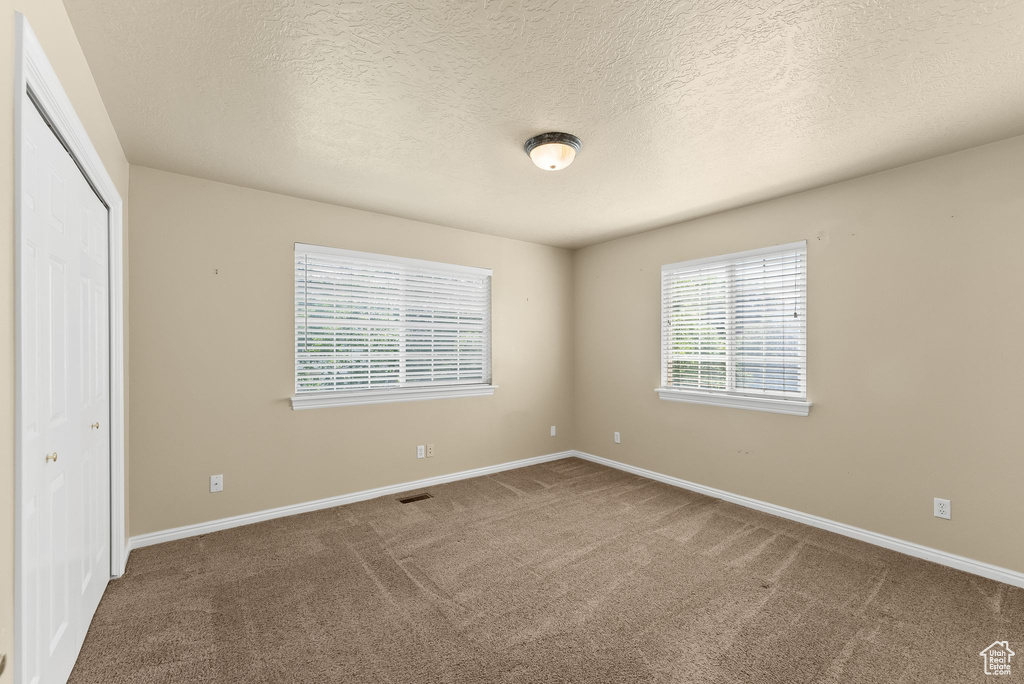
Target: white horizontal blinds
{"points": [[373, 322], [737, 324]]}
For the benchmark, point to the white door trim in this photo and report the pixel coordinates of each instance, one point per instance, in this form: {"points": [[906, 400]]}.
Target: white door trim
{"points": [[34, 74]]}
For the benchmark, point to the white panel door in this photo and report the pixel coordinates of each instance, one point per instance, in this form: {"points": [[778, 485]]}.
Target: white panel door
{"points": [[65, 455]]}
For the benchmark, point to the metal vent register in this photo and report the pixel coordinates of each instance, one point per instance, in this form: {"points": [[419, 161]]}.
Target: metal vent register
{"points": [[417, 497]]}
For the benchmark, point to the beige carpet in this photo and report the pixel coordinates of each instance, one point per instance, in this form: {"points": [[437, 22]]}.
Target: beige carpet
{"points": [[562, 572]]}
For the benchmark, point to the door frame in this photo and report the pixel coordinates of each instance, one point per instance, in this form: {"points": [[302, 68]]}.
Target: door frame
{"points": [[36, 85]]}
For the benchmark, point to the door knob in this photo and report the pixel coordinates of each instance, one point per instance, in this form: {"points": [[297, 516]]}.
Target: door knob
{"points": [[95, 426], [51, 457]]}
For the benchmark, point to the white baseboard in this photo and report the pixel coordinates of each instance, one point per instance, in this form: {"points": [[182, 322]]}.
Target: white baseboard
{"points": [[993, 572], [142, 540]]}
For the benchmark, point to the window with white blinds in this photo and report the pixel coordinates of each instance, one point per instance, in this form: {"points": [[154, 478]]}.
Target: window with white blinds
{"points": [[734, 330], [373, 328]]}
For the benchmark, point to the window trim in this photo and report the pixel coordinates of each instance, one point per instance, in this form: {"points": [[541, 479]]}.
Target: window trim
{"points": [[405, 261], [793, 407], [797, 406], [732, 256], [310, 400]]}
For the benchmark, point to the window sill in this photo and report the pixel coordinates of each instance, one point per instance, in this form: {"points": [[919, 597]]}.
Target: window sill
{"points": [[387, 396], [793, 407]]}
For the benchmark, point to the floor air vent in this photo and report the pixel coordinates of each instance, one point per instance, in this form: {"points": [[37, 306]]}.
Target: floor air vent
{"points": [[412, 499]]}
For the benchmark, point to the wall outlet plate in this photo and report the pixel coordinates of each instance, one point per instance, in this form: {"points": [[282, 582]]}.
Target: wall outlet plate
{"points": [[430, 451], [421, 451], [942, 509], [618, 438], [553, 431], [216, 483]]}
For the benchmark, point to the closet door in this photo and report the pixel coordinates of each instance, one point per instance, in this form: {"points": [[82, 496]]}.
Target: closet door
{"points": [[65, 457]]}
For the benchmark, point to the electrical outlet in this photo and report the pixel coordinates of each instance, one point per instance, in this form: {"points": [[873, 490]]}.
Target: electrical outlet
{"points": [[942, 509], [216, 483], [553, 431], [618, 438], [421, 451], [430, 451]]}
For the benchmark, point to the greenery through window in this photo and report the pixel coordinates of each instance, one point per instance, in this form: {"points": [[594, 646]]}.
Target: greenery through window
{"points": [[737, 324], [366, 321]]}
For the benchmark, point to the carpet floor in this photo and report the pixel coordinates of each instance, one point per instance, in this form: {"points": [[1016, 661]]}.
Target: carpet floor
{"points": [[562, 572]]}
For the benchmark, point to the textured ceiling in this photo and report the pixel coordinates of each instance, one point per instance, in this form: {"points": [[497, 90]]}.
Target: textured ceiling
{"points": [[420, 108]]}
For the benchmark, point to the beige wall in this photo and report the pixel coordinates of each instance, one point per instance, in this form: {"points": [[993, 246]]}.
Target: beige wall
{"points": [[212, 356], [914, 332], [51, 25]]}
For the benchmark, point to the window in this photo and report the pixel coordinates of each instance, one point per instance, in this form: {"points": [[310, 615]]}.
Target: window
{"points": [[734, 330], [371, 328]]}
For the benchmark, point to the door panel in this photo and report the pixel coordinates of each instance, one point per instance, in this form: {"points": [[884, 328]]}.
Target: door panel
{"points": [[59, 582], [94, 404], [65, 455], [56, 348]]}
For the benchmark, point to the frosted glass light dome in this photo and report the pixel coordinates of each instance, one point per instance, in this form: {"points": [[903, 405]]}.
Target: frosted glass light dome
{"points": [[552, 151]]}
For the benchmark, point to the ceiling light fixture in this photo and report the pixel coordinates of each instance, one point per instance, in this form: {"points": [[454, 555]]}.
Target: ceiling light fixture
{"points": [[552, 151]]}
